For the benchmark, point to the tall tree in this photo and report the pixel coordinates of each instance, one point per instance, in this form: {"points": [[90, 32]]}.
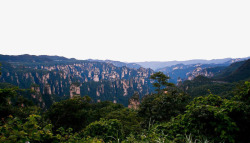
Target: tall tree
{"points": [[161, 83]]}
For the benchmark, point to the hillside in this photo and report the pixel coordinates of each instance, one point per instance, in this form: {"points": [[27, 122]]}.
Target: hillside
{"points": [[236, 72], [221, 84], [183, 72], [67, 77], [203, 86]]}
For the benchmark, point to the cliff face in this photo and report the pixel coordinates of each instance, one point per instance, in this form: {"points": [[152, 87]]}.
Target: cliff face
{"points": [[205, 71], [199, 71], [96, 71], [101, 81]]}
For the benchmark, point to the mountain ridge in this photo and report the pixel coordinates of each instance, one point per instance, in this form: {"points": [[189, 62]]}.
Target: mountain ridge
{"points": [[156, 65]]}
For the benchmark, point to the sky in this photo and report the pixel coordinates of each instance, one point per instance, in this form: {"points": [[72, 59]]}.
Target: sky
{"points": [[126, 30]]}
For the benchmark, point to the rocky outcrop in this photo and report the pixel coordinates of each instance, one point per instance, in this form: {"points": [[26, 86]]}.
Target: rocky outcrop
{"points": [[36, 95], [133, 104], [98, 80], [74, 89], [134, 101], [206, 72], [47, 89]]}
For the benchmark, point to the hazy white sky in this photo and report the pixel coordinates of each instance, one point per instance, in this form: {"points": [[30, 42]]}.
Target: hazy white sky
{"points": [[126, 30]]}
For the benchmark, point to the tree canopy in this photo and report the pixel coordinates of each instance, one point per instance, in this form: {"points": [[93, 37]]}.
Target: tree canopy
{"points": [[161, 82]]}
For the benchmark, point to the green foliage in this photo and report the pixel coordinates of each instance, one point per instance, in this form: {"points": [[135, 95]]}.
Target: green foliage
{"points": [[205, 117], [241, 72], [12, 103], [163, 105], [229, 70], [136, 96], [77, 113], [239, 110], [203, 86], [87, 98], [129, 119], [155, 135], [148, 136], [13, 130], [33, 130], [243, 93], [6, 95], [212, 120], [161, 82], [158, 108], [71, 113], [102, 109], [108, 130], [67, 136]]}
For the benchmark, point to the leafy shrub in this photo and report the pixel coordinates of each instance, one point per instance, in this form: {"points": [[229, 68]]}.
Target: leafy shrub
{"points": [[129, 119], [71, 113], [161, 108], [239, 110], [205, 117], [107, 130], [15, 131]]}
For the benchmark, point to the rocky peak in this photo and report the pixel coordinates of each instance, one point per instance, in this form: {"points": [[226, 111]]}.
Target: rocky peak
{"points": [[74, 89], [134, 101]]}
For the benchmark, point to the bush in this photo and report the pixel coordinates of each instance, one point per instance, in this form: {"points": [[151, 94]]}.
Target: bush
{"points": [[131, 122], [205, 118], [108, 130], [15, 131], [161, 108], [71, 113]]}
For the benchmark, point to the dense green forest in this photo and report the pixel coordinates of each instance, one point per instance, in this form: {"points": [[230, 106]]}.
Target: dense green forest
{"points": [[170, 114]]}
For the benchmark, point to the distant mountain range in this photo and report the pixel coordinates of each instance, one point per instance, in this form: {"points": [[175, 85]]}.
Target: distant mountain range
{"points": [[119, 64], [159, 65], [33, 58], [155, 65]]}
